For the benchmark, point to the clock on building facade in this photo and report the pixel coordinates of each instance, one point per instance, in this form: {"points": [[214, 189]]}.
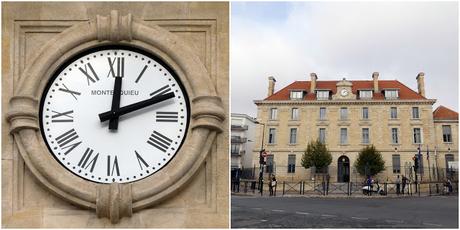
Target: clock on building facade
{"points": [[122, 148], [115, 116]]}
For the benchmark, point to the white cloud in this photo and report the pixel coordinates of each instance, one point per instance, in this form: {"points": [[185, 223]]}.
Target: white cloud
{"points": [[346, 39]]}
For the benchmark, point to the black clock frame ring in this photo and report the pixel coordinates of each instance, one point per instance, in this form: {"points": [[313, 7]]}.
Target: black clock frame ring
{"points": [[116, 200]]}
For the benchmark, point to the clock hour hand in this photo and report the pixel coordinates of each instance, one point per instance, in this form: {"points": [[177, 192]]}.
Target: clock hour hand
{"points": [[133, 107], [113, 123]]}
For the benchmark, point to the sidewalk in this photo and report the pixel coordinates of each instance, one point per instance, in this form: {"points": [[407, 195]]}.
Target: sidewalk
{"points": [[329, 196]]}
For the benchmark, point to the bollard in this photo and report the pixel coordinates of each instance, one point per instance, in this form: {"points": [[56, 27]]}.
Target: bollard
{"points": [[385, 187], [283, 187]]}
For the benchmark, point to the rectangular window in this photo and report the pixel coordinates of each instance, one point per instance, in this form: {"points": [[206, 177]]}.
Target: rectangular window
{"points": [[322, 113], [396, 163], [365, 113], [295, 114], [322, 135], [420, 163], [391, 94], [343, 136], [271, 135], [415, 113], [343, 113], [394, 136], [365, 135], [365, 94], [296, 95], [235, 149], [393, 112], [450, 170], [293, 136], [417, 136], [291, 163], [269, 166], [446, 134], [322, 95], [273, 113]]}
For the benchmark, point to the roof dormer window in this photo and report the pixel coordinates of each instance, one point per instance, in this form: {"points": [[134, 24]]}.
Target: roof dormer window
{"points": [[391, 94], [365, 94], [296, 95], [322, 94]]}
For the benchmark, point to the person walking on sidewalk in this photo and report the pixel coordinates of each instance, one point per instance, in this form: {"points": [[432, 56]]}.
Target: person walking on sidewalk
{"points": [[270, 186], [398, 185], [404, 181], [273, 183]]}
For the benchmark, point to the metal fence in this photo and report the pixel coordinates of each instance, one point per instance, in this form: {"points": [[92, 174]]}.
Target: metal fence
{"points": [[303, 181], [298, 173]]}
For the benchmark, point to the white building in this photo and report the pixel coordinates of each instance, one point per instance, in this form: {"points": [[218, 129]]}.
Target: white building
{"points": [[242, 143]]}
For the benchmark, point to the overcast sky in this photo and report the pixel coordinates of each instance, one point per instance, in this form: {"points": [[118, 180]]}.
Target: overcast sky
{"points": [[336, 40]]}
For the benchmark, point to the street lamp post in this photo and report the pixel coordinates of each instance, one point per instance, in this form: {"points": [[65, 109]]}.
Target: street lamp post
{"points": [[261, 165]]}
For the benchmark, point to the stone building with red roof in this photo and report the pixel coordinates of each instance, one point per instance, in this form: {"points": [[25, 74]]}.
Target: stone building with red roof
{"points": [[348, 115]]}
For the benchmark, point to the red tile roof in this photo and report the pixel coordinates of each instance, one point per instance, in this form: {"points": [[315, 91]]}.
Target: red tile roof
{"points": [[443, 113], [405, 93]]}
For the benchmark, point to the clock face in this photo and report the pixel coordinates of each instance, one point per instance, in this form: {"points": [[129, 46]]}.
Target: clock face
{"points": [[153, 115], [344, 92]]}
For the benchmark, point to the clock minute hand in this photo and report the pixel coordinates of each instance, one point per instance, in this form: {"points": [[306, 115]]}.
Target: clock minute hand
{"points": [[133, 107]]}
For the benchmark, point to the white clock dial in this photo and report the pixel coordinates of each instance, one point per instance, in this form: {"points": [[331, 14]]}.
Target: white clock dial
{"points": [[344, 92], [145, 139]]}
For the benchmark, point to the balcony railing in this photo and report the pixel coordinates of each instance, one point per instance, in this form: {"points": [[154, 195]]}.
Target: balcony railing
{"points": [[239, 127], [239, 139]]}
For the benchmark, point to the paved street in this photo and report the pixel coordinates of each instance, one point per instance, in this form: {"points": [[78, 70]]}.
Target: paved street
{"points": [[302, 212]]}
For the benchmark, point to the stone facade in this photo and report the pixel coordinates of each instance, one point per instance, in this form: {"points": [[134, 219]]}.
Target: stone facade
{"points": [[32, 199], [292, 132]]}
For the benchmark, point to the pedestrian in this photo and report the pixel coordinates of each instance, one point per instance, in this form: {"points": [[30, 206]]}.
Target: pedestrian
{"points": [[404, 181], [274, 185], [449, 186], [369, 185], [270, 186], [398, 185]]}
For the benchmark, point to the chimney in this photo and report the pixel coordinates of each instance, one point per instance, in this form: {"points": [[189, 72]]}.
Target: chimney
{"points": [[271, 85], [421, 83], [313, 78], [375, 77]]}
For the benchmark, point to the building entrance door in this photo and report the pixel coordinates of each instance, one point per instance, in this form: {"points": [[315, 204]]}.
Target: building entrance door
{"points": [[343, 169]]}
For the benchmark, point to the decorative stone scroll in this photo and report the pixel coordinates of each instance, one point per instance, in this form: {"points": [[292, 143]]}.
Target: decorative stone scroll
{"points": [[116, 201]]}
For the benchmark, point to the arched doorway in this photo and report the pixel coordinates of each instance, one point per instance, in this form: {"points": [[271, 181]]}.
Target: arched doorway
{"points": [[343, 169]]}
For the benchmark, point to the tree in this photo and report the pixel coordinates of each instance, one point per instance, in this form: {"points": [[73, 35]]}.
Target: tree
{"points": [[369, 161], [317, 155]]}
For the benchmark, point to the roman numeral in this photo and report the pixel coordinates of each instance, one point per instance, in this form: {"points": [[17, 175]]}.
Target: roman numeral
{"points": [[89, 78], [141, 161], [142, 73], [117, 67], [62, 117], [159, 141], [163, 90], [166, 116], [67, 90], [86, 160], [114, 167], [64, 141]]}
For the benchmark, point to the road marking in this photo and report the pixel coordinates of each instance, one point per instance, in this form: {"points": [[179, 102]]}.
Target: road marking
{"points": [[256, 208], [395, 221], [430, 224], [326, 215], [302, 213], [263, 220], [359, 218], [277, 210]]}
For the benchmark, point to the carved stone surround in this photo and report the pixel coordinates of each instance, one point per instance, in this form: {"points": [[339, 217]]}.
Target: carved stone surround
{"points": [[116, 200]]}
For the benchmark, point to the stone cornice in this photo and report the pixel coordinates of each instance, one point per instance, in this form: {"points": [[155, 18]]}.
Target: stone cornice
{"points": [[445, 121], [345, 102]]}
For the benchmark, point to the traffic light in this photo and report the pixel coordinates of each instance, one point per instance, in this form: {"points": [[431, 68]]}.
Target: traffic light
{"points": [[262, 157], [415, 163]]}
